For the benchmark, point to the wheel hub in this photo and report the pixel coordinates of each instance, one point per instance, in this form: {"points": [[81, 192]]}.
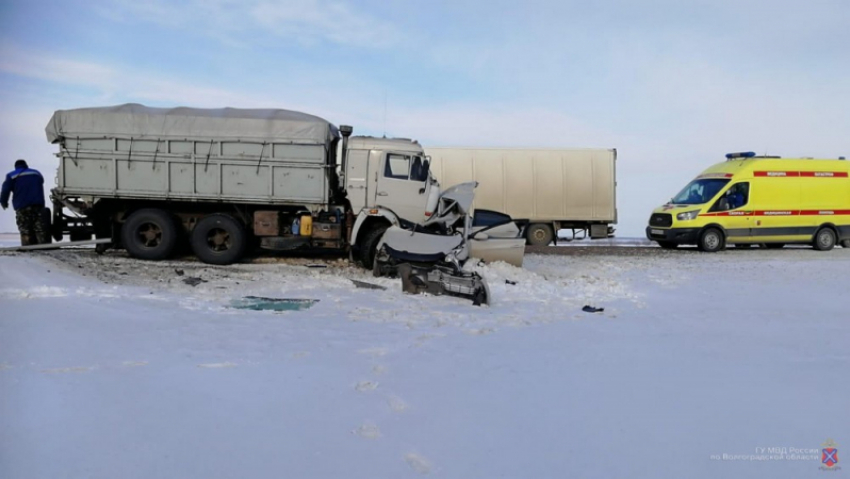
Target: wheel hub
{"points": [[218, 239], [150, 234]]}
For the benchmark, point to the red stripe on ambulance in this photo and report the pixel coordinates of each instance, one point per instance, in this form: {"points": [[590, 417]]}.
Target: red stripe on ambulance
{"points": [[804, 174]]}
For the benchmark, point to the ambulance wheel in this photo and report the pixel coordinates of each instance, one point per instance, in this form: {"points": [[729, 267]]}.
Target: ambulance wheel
{"points": [[369, 245], [774, 245], [219, 239], [667, 245], [711, 240], [149, 234], [845, 243], [825, 239], [540, 235]]}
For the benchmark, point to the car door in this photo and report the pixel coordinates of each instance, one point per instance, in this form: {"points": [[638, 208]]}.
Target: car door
{"points": [[735, 212], [403, 186], [495, 237]]}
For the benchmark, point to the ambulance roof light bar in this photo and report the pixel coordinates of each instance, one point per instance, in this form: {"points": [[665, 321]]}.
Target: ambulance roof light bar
{"points": [[742, 154]]}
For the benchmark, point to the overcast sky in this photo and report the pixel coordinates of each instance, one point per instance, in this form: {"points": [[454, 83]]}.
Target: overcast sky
{"points": [[672, 84]]}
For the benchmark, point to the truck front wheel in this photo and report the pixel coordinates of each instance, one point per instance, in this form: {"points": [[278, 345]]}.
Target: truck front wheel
{"points": [[369, 245], [219, 239], [540, 234], [149, 234]]}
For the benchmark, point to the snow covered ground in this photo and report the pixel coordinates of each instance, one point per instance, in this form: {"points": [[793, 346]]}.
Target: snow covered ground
{"points": [[115, 368]]}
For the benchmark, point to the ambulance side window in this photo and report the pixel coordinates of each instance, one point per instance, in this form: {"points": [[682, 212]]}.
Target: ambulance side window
{"points": [[737, 196]]}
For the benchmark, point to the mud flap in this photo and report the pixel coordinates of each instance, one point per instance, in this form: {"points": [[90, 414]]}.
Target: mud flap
{"points": [[439, 280]]}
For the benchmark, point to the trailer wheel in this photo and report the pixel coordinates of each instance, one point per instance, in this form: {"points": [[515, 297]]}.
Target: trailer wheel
{"points": [[825, 239], [369, 245], [711, 241], [149, 234], [539, 234], [219, 239]]}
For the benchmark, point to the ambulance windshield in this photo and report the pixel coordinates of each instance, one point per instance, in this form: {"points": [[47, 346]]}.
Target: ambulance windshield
{"points": [[700, 191]]}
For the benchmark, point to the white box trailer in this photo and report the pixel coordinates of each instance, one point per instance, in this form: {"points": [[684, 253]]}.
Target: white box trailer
{"points": [[544, 189]]}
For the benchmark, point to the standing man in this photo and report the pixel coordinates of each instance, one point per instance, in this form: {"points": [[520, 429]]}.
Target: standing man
{"points": [[27, 189]]}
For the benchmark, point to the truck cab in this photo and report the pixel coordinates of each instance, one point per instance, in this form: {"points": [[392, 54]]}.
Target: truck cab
{"points": [[392, 174]]}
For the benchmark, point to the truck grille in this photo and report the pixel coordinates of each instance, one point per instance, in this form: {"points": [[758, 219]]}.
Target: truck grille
{"points": [[664, 220]]}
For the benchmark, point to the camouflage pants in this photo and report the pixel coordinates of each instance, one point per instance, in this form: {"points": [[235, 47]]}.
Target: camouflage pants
{"points": [[31, 226]]}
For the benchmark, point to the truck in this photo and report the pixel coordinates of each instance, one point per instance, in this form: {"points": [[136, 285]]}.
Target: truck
{"points": [[223, 181], [544, 190]]}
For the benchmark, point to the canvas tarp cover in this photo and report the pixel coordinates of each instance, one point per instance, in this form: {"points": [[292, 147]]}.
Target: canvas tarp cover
{"points": [[140, 122]]}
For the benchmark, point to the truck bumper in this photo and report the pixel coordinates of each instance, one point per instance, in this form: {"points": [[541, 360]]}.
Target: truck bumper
{"points": [[673, 235]]}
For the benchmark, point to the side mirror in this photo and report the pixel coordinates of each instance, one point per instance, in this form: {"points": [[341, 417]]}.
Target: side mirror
{"points": [[481, 236]]}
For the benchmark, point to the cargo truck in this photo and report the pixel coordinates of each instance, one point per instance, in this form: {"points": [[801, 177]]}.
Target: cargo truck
{"points": [[223, 181], [545, 190]]}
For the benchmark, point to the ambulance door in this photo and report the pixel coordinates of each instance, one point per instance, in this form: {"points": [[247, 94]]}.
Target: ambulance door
{"points": [[737, 212], [776, 217]]}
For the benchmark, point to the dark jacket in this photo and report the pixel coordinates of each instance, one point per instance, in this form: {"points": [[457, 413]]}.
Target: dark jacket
{"points": [[26, 186]]}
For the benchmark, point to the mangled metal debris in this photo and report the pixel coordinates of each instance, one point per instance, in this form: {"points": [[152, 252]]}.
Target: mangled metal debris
{"points": [[430, 258]]}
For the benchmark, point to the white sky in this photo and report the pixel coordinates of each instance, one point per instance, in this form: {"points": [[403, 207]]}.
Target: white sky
{"points": [[673, 85]]}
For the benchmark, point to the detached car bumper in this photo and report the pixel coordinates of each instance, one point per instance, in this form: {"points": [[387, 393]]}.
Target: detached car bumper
{"points": [[673, 235]]}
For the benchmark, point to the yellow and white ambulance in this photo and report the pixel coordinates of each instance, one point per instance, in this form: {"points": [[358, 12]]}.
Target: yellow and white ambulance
{"points": [[751, 199]]}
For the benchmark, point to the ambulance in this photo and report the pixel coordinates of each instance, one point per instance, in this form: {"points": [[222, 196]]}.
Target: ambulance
{"points": [[764, 200]]}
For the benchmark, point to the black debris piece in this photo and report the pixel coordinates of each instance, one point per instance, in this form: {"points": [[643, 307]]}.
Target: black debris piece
{"points": [[193, 281], [507, 281], [592, 309], [179, 272]]}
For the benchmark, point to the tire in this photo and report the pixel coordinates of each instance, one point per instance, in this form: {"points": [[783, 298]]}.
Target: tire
{"points": [[149, 234], [368, 247], [711, 240], [219, 239], [845, 243], [825, 239], [774, 245], [667, 245], [539, 234]]}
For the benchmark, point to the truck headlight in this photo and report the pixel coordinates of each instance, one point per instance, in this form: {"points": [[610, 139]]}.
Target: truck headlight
{"points": [[687, 215]]}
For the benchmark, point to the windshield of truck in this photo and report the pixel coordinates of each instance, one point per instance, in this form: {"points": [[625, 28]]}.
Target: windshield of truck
{"points": [[700, 191]]}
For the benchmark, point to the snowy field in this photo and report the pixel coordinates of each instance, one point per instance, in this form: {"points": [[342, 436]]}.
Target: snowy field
{"points": [[115, 368]]}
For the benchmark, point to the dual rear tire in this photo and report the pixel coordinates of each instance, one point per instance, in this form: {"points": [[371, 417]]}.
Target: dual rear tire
{"points": [[153, 234]]}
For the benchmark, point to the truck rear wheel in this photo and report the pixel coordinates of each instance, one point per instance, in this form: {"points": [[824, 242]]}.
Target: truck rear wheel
{"points": [[539, 234], [369, 245], [219, 239], [711, 240], [825, 239], [149, 234]]}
